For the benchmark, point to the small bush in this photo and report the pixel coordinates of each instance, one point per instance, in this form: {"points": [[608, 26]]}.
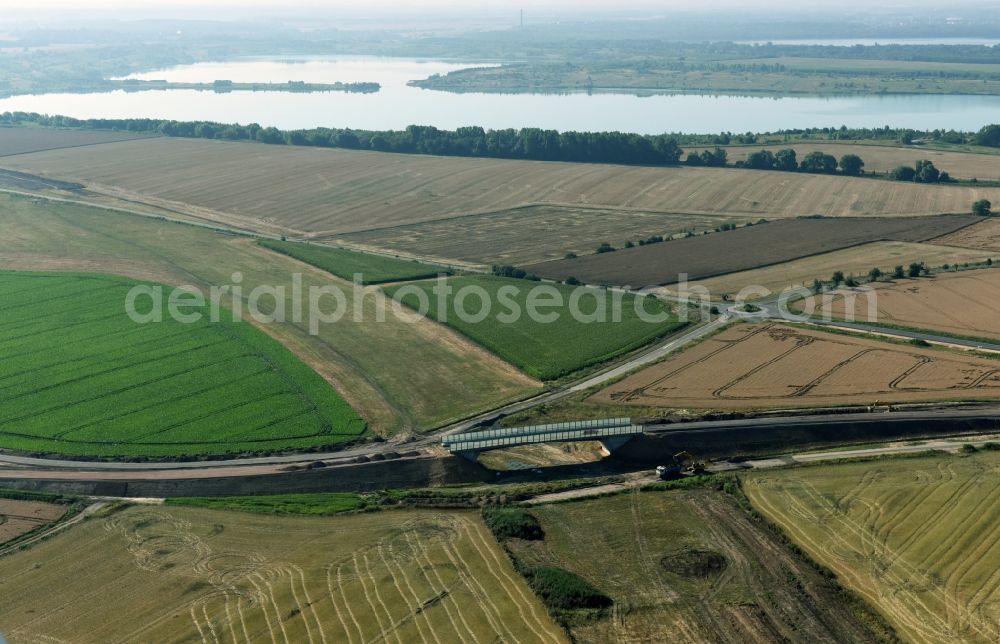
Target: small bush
{"points": [[513, 523]]}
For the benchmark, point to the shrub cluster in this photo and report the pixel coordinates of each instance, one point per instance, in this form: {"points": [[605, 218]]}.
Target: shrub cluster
{"points": [[564, 590], [513, 523]]}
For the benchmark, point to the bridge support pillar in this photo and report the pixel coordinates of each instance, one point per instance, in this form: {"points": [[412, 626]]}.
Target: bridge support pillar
{"points": [[612, 443], [470, 455]]}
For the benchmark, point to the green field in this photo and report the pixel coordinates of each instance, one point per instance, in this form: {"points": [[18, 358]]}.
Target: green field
{"points": [[373, 269], [79, 377], [384, 370], [542, 350], [915, 537]]}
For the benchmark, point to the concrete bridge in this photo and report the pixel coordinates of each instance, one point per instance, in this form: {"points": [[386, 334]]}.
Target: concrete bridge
{"points": [[612, 433]]}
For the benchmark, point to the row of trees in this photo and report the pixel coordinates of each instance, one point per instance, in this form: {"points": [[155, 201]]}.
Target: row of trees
{"points": [[525, 143], [816, 162], [914, 270], [922, 172]]}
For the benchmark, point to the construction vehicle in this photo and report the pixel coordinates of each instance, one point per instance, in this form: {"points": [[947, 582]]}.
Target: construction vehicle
{"points": [[668, 473], [685, 464], [689, 465]]}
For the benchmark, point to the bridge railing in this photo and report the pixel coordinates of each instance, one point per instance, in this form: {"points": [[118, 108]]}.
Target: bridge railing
{"points": [[472, 442], [504, 432]]}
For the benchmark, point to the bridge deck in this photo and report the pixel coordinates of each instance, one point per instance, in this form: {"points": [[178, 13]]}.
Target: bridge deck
{"points": [[554, 433]]}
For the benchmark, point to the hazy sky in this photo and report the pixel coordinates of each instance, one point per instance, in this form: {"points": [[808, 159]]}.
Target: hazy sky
{"points": [[360, 5]]}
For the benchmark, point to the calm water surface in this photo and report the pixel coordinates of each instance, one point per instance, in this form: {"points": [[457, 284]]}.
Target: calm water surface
{"points": [[399, 105]]}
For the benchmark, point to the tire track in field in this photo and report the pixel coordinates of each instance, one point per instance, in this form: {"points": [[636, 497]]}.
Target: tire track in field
{"points": [[513, 583], [861, 583], [420, 549], [974, 551], [643, 391], [409, 601], [393, 627], [799, 343], [806, 388], [358, 575], [900, 575], [499, 577], [336, 607], [262, 600], [490, 610], [419, 607], [347, 603], [300, 609]]}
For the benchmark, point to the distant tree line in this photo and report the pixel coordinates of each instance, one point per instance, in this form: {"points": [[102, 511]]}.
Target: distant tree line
{"points": [[525, 143], [541, 145], [988, 136]]}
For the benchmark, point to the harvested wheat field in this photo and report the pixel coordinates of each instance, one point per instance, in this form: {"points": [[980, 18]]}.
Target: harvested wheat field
{"points": [[303, 190], [882, 159], [687, 566], [770, 365], [984, 236], [531, 234], [21, 517], [960, 303], [915, 537], [181, 574], [858, 260], [745, 248]]}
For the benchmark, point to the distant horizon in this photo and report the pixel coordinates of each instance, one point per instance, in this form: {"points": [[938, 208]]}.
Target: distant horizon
{"points": [[489, 6]]}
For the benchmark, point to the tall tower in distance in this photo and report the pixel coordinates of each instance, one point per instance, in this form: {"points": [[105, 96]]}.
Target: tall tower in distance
{"points": [[522, 18]]}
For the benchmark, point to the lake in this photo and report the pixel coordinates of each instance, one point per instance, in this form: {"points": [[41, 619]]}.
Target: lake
{"points": [[398, 105]]}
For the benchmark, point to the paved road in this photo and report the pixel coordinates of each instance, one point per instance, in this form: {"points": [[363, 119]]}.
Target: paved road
{"points": [[770, 311], [640, 479], [956, 413]]}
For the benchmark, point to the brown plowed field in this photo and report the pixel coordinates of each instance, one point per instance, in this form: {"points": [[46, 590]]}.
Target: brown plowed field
{"points": [[754, 366], [21, 140], [745, 249], [881, 159], [963, 303], [20, 517], [325, 191]]}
